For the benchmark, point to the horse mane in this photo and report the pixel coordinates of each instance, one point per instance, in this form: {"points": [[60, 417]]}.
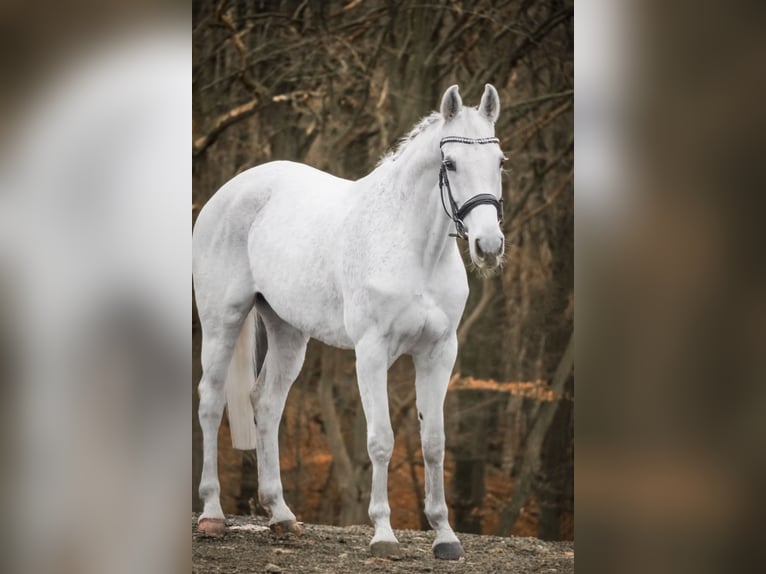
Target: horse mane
{"points": [[402, 145]]}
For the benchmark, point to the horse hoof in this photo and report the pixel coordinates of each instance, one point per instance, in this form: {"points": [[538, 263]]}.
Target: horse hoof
{"points": [[212, 527], [448, 551], [385, 549], [286, 527]]}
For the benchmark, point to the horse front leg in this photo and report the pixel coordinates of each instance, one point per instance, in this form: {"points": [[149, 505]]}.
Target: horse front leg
{"points": [[371, 369], [433, 367]]}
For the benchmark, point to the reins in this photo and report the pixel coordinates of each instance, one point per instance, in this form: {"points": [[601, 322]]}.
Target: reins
{"points": [[458, 214]]}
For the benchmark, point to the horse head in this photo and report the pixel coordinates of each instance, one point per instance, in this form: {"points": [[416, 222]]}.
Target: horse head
{"points": [[470, 176]]}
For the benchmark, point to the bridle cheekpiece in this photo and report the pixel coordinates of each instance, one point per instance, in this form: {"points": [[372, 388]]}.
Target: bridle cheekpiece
{"points": [[459, 214]]}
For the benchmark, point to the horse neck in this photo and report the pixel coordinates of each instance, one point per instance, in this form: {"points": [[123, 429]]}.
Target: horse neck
{"points": [[419, 217]]}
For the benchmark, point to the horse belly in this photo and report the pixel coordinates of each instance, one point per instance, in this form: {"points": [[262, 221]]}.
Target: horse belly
{"points": [[302, 291], [315, 311]]}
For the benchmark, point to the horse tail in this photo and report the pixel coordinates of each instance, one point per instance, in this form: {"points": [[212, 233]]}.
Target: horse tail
{"points": [[246, 363]]}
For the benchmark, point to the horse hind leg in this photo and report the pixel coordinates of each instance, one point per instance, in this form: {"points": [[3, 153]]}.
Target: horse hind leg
{"points": [[221, 326], [282, 363]]}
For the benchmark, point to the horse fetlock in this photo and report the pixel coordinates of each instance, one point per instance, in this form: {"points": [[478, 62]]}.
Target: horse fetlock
{"points": [[437, 516], [209, 490], [270, 498], [277, 508], [384, 540], [380, 514]]}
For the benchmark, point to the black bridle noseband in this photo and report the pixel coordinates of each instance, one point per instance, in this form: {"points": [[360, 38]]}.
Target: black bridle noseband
{"points": [[458, 215]]}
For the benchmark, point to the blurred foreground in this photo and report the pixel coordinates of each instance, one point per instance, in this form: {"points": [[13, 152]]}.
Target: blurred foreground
{"points": [[94, 292], [671, 432]]}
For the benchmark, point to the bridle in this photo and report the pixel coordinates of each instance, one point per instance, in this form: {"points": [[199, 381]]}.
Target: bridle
{"points": [[458, 215]]}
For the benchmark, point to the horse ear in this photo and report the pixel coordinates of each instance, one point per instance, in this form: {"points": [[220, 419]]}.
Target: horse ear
{"points": [[451, 103], [490, 103]]}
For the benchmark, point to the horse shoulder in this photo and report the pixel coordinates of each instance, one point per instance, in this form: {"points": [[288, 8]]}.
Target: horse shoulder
{"points": [[448, 286]]}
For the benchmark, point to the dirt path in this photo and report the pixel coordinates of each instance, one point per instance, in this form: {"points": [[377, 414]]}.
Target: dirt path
{"points": [[249, 547]]}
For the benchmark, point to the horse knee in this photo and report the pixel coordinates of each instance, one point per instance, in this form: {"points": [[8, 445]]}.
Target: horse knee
{"points": [[380, 446]]}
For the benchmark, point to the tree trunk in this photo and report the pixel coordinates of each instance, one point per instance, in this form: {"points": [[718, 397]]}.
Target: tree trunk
{"points": [[534, 444], [412, 458], [343, 470], [470, 461]]}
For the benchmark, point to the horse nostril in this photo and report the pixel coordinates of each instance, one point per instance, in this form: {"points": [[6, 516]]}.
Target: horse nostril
{"points": [[479, 250], [491, 246]]}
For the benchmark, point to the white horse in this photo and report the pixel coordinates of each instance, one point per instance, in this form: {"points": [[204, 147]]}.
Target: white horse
{"points": [[284, 252]]}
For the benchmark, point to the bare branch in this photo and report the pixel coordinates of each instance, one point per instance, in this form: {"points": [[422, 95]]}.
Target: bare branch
{"points": [[539, 99], [221, 123], [488, 290], [540, 208]]}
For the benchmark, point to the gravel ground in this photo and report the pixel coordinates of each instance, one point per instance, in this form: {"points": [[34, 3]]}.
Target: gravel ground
{"points": [[249, 546]]}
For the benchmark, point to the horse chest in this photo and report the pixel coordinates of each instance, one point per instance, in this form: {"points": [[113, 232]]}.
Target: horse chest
{"points": [[406, 312], [421, 321]]}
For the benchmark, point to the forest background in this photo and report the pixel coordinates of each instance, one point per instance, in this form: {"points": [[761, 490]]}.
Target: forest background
{"points": [[334, 85]]}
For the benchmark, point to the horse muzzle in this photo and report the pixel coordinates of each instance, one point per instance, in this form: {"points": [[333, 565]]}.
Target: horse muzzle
{"points": [[489, 251]]}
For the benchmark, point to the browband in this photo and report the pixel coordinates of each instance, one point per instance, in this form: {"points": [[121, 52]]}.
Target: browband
{"points": [[459, 139]]}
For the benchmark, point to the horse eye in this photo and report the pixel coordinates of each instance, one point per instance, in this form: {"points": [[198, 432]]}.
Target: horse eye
{"points": [[450, 165]]}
